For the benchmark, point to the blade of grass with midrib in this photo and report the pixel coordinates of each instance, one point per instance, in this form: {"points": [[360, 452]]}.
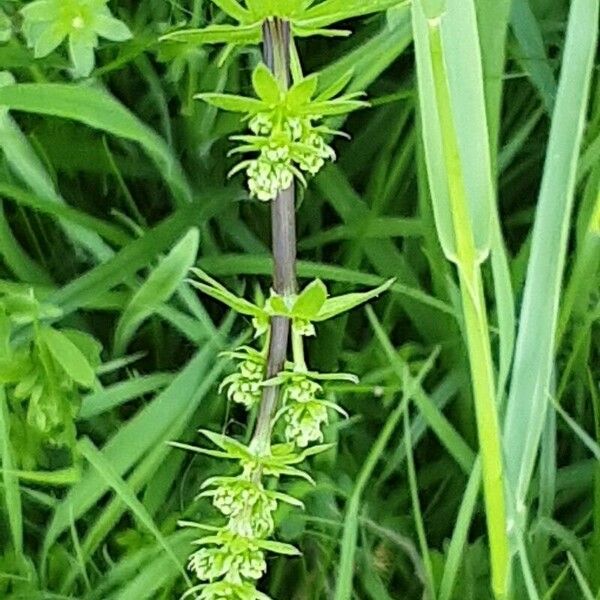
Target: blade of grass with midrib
{"points": [[534, 354], [456, 137]]}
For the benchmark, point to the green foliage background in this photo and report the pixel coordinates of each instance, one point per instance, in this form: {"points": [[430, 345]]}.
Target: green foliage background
{"points": [[100, 185]]}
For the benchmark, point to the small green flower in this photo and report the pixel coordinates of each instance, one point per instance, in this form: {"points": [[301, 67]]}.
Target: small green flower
{"points": [[286, 146], [305, 421], [248, 506], [48, 22], [225, 590], [229, 554], [287, 140], [245, 386], [300, 388]]}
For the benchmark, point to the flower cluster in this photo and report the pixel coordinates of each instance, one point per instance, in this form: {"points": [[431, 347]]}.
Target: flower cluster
{"points": [[232, 557], [248, 506], [285, 150], [304, 414], [245, 386], [288, 139], [44, 377], [228, 554], [47, 23]]}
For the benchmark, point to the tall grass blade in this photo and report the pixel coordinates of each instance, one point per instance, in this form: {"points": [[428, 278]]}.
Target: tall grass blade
{"points": [[534, 355], [99, 110], [12, 492], [160, 285], [460, 534], [453, 114], [343, 589]]}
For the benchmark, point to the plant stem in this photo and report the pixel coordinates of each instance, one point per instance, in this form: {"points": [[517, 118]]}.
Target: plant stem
{"points": [[476, 328], [276, 53]]}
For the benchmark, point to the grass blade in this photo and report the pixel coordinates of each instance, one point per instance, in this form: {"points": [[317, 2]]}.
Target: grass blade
{"points": [[460, 534], [98, 109], [534, 354]]}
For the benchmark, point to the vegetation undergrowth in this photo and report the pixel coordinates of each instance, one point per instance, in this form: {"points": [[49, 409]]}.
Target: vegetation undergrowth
{"points": [[299, 299]]}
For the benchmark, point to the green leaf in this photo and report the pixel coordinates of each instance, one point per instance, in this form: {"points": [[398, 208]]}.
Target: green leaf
{"points": [[310, 301], [105, 399], [454, 117], [228, 444], [233, 103], [68, 356], [332, 108], [112, 29], [535, 353], [90, 347], [161, 284], [240, 305], [12, 492], [333, 11], [25, 164], [218, 34], [265, 85], [106, 471], [336, 87], [263, 9], [234, 9], [98, 109], [82, 55], [245, 307], [456, 548], [304, 32], [279, 548], [302, 92], [341, 304]]}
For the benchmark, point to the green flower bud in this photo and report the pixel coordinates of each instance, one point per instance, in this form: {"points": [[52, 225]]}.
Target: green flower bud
{"points": [[237, 557], [227, 590], [244, 387], [248, 506], [300, 388], [261, 124], [304, 422]]}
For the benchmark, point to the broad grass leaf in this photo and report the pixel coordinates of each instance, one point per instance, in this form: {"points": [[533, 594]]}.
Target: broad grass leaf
{"points": [[160, 285], [531, 381], [460, 46], [98, 109]]}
